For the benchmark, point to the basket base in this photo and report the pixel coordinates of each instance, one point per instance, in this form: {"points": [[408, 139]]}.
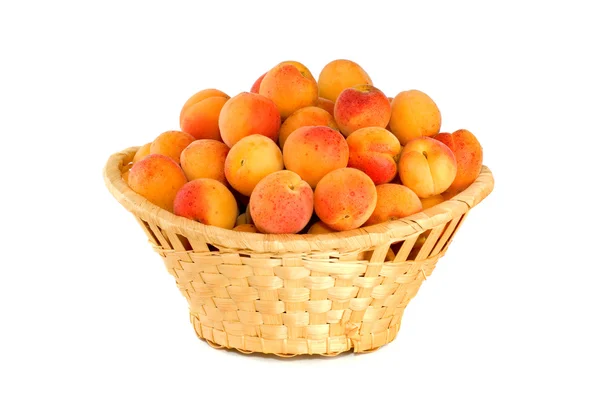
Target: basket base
{"points": [[288, 348]]}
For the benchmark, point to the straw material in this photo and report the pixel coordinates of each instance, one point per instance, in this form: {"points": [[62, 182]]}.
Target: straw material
{"points": [[297, 294]]}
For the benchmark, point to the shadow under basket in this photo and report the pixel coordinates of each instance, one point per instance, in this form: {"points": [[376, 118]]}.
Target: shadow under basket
{"points": [[291, 294]]}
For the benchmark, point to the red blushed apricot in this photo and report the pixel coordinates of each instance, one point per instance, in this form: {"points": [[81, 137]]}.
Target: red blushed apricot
{"points": [[339, 75], [201, 119], [306, 116], [200, 96], [469, 157], [207, 201], [394, 202], [281, 203], [157, 178], [256, 86], [171, 143], [290, 88], [301, 67], [345, 198], [248, 114], [375, 151], [359, 107], [205, 158], [314, 151]]}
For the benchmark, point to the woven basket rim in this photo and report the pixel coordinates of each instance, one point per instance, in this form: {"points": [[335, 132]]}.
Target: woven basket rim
{"points": [[360, 238]]}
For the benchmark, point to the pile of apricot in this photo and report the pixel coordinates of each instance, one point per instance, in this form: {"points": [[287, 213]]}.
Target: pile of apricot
{"points": [[297, 154]]}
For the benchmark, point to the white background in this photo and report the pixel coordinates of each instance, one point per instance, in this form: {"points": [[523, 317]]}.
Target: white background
{"points": [[88, 310]]}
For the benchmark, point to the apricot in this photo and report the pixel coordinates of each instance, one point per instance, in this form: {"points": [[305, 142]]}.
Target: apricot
{"points": [[306, 116], [171, 143], [320, 228], [345, 198], [207, 201], [418, 245], [427, 166], [200, 96], [205, 158], [201, 119], [247, 228], [432, 201], [469, 157], [142, 152], [157, 178], [290, 87], [243, 218], [325, 104], [248, 114], [256, 85], [301, 67], [250, 160], [414, 114], [339, 75], [375, 151], [314, 151], [281, 203], [361, 106], [394, 202]]}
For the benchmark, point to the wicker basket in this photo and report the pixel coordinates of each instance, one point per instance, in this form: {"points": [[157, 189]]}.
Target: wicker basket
{"points": [[297, 294]]}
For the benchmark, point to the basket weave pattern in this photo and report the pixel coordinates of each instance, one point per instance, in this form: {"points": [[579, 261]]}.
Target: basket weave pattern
{"points": [[298, 294]]}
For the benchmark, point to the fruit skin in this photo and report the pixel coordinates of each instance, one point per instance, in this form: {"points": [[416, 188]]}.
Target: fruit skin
{"points": [[200, 96], [256, 85], [314, 151], [418, 245], [205, 158], [250, 160], [301, 67], [244, 218], [469, 157], [361, 106], [414, 114], [290, 87], [171, 143], [320, 228], [248, 114], [375, 151], [142, 152], [306, 116], [326, 105], [201, 119], [432, 201], [247, 228], [157, 178], [338, 75], [345, 198], [207, 201], [394, 201], [427, 166], [281, 203]]}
